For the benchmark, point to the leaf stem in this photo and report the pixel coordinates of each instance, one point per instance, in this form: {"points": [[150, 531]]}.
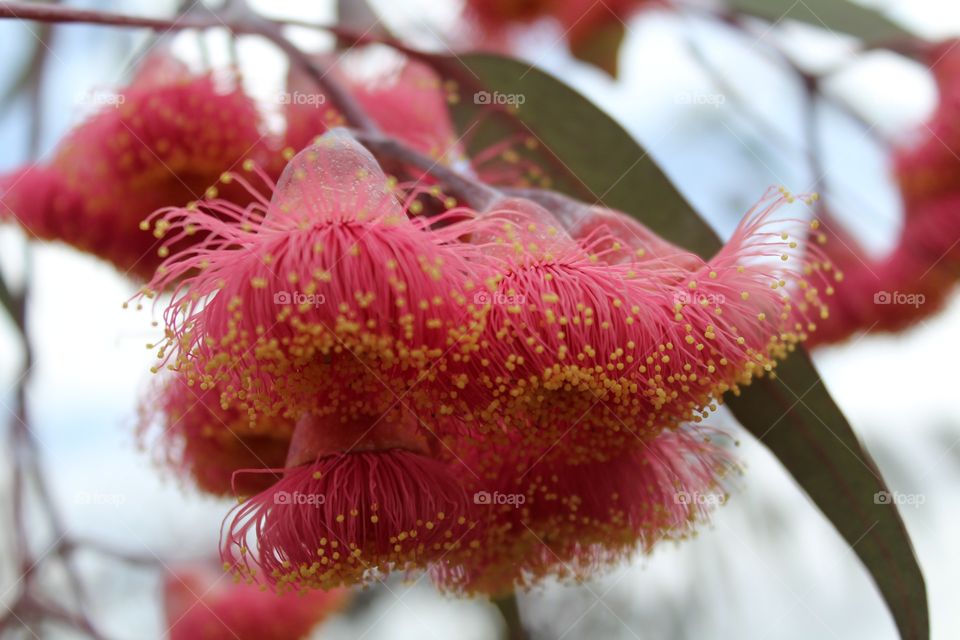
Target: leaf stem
{"points": [[510, 610]]}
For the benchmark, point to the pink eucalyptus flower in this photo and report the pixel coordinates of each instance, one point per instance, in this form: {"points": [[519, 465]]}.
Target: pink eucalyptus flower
{"points": [[896, 291], [357, 500], [166, 138], [327, 298], [191, 433], [327, 305], [204, 604], [912, 281], [927, 167], [540, 519], [607, 353]]}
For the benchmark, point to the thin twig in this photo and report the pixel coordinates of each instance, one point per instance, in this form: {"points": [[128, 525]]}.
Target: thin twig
{"points": [[320, 72], [239, 20], [59, 14], [10, 303], [95, 546]]}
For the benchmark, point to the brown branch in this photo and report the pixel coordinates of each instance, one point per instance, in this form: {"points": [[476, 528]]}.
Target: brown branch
{"points": [[95, 546], [194, 20], [319, 72], [58, 14], [239, 20], [11, 303]]}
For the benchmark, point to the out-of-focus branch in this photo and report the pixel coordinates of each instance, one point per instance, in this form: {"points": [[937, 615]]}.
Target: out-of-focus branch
{"points": [[28, 609], [95, 546], [320, 73], [24, 447], [730, 93], [811, 122], [58, 14], [24, 452], [11, 303], [360, 16], [29, 72], [239, 19], [197, 18]]}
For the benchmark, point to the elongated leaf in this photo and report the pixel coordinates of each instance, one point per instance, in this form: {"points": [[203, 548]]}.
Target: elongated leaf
{"points": [[802, 425], [588, 155], [842, 16], [602, 48]]}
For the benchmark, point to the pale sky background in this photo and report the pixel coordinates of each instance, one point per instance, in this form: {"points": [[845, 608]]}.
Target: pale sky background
{"points": [[769, 566]]}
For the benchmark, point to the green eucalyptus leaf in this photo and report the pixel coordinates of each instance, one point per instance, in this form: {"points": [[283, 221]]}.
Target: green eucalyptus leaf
{"points": [[841, 16]]}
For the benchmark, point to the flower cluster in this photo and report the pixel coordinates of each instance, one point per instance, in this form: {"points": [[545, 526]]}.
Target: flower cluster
{"points": [[199, 603], [191, 433], [913, 280], [401, 350], [495, 396], [167, 138], [393, 382], [594, 30]]}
